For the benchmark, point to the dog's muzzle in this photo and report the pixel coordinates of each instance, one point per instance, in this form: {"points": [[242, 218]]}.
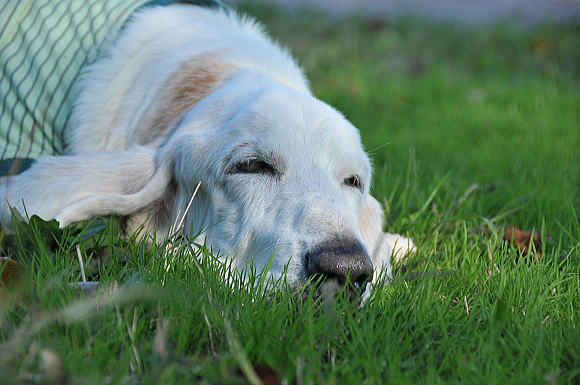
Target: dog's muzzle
{"points": [[345, 261]]}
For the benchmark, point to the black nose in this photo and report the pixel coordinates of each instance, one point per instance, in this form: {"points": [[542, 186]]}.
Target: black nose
{"points": [[343, 260]]}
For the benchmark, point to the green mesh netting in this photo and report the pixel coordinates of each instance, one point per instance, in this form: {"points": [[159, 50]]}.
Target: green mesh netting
{"points": [[44, 44]]}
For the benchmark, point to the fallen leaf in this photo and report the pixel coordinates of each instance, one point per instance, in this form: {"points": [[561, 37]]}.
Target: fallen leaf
{"points": [[377, 24], [10, 271], [541, 45], [523, 241], [266, 374]]}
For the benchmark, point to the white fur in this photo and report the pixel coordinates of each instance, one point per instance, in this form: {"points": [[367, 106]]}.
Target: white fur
{"points": [[264, 107]]}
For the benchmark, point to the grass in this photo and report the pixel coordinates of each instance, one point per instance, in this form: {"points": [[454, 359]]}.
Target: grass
{"points": [[439, 108]]}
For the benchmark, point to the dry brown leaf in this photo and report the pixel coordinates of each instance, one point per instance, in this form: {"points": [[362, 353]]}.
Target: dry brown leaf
{"points": [[377, 24], [523, 241], [266, 374], [541, 45], [10, 271]]}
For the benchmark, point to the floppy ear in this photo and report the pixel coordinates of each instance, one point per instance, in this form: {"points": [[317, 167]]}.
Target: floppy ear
{"points": [[78, 187], [381, 246]]}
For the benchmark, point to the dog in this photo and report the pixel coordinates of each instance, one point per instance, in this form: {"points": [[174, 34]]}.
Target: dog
{"points": [[197, 108]]}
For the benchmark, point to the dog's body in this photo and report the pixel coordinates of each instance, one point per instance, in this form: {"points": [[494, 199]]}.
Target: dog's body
{"points": [[190, 95]]}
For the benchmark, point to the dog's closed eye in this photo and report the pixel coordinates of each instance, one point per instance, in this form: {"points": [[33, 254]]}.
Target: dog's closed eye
{"points": [[254, 166], [354, 181]]}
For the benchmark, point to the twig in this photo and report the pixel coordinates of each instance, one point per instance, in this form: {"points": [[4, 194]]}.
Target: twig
{"points": [[132, 331], [81, 263], [76, 311], [160, 345], [188, 206], [174, 229]]}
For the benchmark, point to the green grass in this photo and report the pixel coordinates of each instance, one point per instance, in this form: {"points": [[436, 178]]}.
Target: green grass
{"points": [[439, 109]]}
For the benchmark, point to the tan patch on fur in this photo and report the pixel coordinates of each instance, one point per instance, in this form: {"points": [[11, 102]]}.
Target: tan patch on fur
{"points": [[194, 80]]}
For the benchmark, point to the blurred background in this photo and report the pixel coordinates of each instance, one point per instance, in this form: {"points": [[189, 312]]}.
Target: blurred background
{"points": [[448, 94], [461, 11]]}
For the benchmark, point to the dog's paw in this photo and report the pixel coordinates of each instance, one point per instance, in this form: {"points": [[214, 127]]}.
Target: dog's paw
{"points": [[400, 246]]}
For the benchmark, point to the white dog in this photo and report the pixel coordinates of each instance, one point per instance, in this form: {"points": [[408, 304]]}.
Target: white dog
{"points": [[189, 95]]}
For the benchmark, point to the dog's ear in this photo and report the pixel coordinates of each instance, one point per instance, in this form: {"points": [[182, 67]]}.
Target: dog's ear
{"points": [[78, 187], [381, 246]]}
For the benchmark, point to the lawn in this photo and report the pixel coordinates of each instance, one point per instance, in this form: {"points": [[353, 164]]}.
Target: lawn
{"points": [[469, 131]]}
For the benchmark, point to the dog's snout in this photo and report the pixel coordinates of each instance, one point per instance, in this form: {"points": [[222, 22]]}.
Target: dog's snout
{"points": [[343, 260]]}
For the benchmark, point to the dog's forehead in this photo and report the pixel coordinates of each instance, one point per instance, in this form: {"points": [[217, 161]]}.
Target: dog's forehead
{"points": [[293, 122]]}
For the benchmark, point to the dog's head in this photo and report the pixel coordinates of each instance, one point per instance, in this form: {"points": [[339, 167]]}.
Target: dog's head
{"points": [[282, 176]]}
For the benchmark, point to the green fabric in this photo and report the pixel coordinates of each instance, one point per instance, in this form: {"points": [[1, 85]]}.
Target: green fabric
{"points": [[44, 44]]}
